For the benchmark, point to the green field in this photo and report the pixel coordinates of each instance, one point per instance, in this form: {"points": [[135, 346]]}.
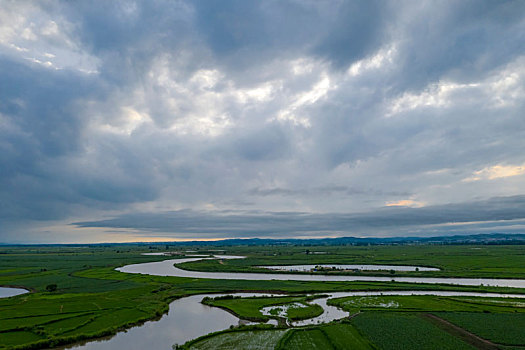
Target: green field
{"points": [[345, 336], [250, 308], [249, 340], [307, 339], [453, 260], [94, 300], [336, 336], [303, 313], [404, 331], [428, 303], [501, 328]]}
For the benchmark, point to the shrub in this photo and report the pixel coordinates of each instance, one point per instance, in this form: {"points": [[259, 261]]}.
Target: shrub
{"points": [[51, 287]]}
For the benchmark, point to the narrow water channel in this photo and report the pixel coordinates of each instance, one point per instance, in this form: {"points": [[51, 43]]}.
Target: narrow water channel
{"points": [[6, 292], [168, 268], [308, 268]]}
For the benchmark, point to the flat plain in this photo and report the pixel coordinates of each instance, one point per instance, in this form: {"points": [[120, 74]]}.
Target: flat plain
{"points": [[93, 300]]}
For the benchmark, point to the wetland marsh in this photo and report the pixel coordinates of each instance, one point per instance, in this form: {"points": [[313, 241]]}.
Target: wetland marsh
{"points": [[94, 300]]}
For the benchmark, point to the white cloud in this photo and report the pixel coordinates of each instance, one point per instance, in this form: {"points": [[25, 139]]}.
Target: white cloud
{"points": [[507, 87], [189, 108], [439, 95], [502, 88], [383, 57], [30, 33], [496, 172], [293, 113], [130, 119]]}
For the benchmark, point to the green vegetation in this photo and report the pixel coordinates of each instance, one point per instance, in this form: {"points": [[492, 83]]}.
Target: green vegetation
{"points": [[307, 339], [64, 307], [302, 313], [250, 308], [76, 294], [258, 339], [501, 328], [428, 303], [500, 320], [335, 336], [453, 260], [345, 336], [395, 330]]}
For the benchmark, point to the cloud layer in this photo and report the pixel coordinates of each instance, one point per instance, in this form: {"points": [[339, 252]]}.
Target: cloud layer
{"points": [[303, 112], [505, 213]]}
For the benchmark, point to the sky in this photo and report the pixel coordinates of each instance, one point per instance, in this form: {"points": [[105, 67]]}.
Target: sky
{"points": [[181, 120]]}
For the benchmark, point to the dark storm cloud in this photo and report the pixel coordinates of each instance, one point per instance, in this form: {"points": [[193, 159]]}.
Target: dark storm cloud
{"points": [[457, 39], [323, 191], [42, 124], [186, 223], [358, 29], [284, 108]]}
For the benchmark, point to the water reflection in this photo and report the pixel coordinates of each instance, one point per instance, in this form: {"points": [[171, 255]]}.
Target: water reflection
{"points": [[188, 319], [167, 268], [307, 268]]}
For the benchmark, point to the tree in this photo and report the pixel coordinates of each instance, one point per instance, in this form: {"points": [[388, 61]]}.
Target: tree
{"points": [[51, 287]]}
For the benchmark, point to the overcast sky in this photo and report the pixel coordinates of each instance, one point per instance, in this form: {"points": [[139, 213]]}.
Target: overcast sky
{"points": [[162, 120]]}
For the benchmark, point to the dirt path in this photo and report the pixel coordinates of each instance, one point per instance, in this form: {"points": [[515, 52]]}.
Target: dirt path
{"points": [[354, 315], [461, 333]]}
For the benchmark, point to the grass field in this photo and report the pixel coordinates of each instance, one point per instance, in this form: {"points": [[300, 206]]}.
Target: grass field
{"points": [[335, 336], [428, 303], [249, 340], [453, 260], [500, 320], [303, 313], [501, 328], [93, 300], [250, 308], [394, 330], [307, 339], [345, 336]]}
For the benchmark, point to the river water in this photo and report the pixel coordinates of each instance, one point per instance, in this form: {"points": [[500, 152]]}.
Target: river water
{"points": [[307, 268], [186, 319], [167, 268], [6, 292]]}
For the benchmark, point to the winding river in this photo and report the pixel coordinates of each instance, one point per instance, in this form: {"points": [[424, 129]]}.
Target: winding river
{"points": [[167, 268], [188, 318]]}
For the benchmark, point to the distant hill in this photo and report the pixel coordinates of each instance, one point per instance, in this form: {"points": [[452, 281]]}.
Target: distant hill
{"points": [[492, 238], [489, 239]]}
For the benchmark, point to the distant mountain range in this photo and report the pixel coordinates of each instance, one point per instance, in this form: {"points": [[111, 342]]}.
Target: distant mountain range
{"points": [[491, 238]]}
